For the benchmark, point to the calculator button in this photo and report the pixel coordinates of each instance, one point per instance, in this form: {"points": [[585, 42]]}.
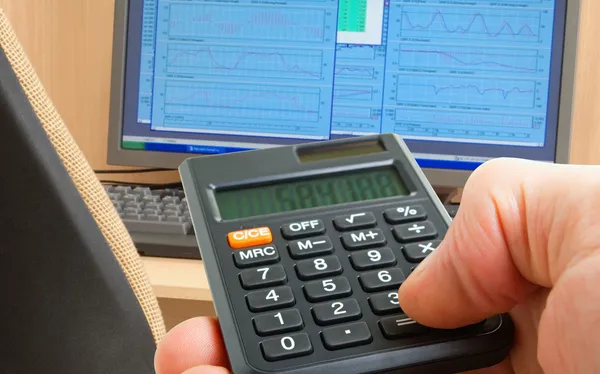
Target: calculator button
{"points": [[414, 231], [303, 229], [256, 256], [336, 312], [401, 326], [363, 239], [380, 280], [406, 213], [385, 303], [419, 251], [355, 221], [278, 322], [272, 298], [327, 289], [263, 277], [346, 336], [284, 347], [318, 267], [310, 247], [250, 237], [373, 259]]}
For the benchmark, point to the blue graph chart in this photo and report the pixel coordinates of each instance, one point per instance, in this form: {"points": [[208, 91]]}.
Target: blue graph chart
{"points": [[245, 68], [204, 106], [260, 62], [496, 93], [470, 23], [446, 58]]}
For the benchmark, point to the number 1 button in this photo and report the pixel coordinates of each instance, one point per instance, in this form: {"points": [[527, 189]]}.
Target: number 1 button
{"points": [[278, 323]]}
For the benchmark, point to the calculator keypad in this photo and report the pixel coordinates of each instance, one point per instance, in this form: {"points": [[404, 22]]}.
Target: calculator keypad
{"points": [[338, 261]]}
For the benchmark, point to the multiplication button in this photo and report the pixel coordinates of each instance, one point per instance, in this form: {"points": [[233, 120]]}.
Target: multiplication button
{"points": [[301, 229], [363, 239], [419, 251], [285, 347], [317, 246]]}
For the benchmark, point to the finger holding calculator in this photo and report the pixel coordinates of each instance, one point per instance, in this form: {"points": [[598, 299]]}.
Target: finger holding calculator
{"points": [[472, 276]]}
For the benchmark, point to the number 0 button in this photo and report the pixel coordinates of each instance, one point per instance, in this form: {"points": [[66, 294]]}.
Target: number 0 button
{"points": [[288, 346], [273, 298]]}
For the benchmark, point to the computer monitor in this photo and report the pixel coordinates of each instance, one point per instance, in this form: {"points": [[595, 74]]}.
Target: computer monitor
{"points": [[461, 81]]}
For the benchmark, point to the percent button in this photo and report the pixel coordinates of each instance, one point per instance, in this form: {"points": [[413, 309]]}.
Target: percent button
{"points": [[406, 213]]}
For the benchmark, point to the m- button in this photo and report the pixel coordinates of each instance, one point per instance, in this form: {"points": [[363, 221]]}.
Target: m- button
{"points": [[249, 237]]}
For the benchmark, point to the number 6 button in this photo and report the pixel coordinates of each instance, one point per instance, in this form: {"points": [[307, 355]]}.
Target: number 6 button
{"points": [[381, 280]]}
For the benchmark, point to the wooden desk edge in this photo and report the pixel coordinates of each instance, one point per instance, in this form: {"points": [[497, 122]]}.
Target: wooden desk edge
{"points": [[177, 278]]}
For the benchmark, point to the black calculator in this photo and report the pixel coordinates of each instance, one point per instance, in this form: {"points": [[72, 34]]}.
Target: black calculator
{"points": [[305, 248]]}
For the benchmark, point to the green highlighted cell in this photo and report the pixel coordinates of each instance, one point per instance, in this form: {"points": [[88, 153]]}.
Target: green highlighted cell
{"points": [[352, 15]]}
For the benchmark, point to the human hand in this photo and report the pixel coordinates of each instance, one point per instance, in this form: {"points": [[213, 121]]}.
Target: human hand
{"points": [[526, 240]]}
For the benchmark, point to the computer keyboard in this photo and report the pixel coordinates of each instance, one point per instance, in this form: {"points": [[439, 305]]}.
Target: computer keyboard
{"points": [[158, 220]]}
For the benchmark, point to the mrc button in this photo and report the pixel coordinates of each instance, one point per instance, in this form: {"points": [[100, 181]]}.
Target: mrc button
{"points": [[302, 229], [249, 237], [256, 256]]}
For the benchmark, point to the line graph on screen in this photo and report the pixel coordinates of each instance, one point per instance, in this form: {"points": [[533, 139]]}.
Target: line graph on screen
{"points": [[246, 61]]}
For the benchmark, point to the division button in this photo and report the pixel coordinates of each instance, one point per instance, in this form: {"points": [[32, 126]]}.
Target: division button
{"points": [[405, 213], [285, 347], [363, 239], [249, 237], [346, 336], [414, 231], [263, 277], [303, 229], [272, 298], [255, 256], [419, 251], [278, 322], [310, 247], [355, 221]]}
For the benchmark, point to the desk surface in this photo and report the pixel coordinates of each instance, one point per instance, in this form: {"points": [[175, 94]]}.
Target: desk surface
{"points": [[177, 279]]}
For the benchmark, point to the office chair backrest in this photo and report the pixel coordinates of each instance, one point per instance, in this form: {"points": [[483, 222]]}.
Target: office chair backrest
{"points": [[75, 297]]}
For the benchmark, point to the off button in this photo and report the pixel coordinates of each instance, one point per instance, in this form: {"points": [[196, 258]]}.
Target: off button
{"points": [[249, 237], [303, 229]]}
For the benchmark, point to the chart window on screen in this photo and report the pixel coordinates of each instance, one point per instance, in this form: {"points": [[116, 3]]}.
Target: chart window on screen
{"points": [[460, 81]]}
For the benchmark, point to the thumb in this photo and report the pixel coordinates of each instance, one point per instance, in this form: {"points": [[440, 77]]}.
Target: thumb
{"points": [[520, 226]]}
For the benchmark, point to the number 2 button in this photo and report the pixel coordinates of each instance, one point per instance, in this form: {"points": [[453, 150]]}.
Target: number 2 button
{"points": [[336, 311]]}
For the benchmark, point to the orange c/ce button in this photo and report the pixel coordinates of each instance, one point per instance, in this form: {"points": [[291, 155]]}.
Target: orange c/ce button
{"points": [[250, 237]]}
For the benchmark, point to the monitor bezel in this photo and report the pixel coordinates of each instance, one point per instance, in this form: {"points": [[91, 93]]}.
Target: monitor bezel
{"points": [[116, 155]]}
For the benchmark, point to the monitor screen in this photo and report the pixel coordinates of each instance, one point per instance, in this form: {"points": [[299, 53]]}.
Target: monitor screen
{"points": [[460, 81]]}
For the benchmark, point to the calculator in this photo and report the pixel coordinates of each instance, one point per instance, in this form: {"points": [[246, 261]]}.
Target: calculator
{"points": [[305, 248]]}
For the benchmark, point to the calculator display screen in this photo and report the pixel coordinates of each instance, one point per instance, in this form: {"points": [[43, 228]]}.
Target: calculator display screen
{"points": [[306, 193]]}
